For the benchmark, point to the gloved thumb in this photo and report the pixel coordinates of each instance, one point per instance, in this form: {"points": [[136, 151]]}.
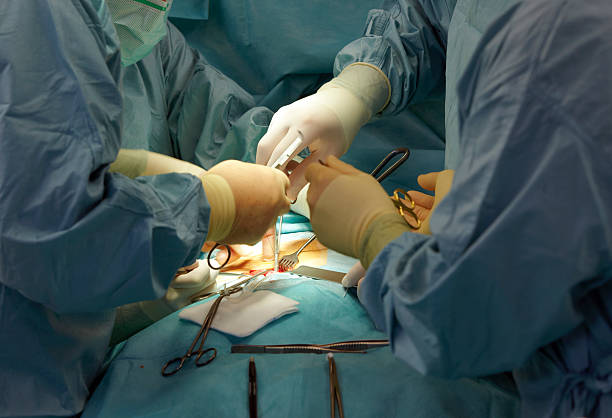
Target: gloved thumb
{"points": [[199, 277], [354, 275]]}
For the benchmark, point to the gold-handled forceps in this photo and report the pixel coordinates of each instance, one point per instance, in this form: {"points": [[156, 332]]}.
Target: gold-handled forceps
{"points": [[405, 206]]}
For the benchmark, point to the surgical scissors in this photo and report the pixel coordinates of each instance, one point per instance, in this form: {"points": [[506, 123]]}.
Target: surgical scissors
{"points": [[203, 333], [399, 195], [398, 199]]}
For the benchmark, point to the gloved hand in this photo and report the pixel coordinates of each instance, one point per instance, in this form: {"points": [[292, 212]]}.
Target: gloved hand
{"points": [[327, 120], [187, 282], [350, 212], [245, 200]]}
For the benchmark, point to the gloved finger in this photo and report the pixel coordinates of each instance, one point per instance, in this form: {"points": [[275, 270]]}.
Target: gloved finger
{"points": [[269, 141], [291, 135], [344, 168], [319, 177], [422, 199], [187, 269], [283, 180], [421, 213], [444, 182], [297, 177], [428, 181], [285, 201], [196, 278], [359, 286], [356, 273]]}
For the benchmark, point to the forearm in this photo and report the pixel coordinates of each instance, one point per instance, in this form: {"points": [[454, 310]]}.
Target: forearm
{"points": [[407, 42], [136, 163]]}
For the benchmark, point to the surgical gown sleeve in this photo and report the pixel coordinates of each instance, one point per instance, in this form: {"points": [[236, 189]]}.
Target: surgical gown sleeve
{"points": [[406, 39], [526, 230], [73, 236], [210, 117]]}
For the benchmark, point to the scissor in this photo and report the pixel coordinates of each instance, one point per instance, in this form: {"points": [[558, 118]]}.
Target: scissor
{"points": [[399, 195]]}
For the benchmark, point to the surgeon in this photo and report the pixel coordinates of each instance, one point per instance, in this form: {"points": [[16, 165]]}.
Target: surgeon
{"points": [[409, 52], [515, 273], [85, 228], [175, 103]]}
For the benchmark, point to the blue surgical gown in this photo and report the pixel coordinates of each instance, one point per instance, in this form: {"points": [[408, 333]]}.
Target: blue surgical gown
{"points": [[177, 104], [75, 240], [516, 274], [423, 47], [237, 37]]}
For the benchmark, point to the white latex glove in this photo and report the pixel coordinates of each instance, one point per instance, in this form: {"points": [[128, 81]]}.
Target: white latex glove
{"points": [[327, 120], [354, 275], [182, 288]]}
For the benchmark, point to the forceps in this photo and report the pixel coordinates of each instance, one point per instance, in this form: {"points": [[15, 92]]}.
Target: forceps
{"points": [[169, 370], [334, 388], [356, 346]]}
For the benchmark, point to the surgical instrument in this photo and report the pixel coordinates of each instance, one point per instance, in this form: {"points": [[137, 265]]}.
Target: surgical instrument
{"points": [[289, 261], [385, 161], [357, 346], [278, 164], [252, 389], [319, 274], [278, 230], [399, 197], [240, 282], [288, 153], [335, 397], [202, 334]]}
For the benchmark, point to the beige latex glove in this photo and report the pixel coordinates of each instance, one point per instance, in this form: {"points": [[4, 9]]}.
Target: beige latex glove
{"points": [[187, 282], [327, 120], [245, 200], [135, 163], [350, 212], [440, 183], [437, 182]]}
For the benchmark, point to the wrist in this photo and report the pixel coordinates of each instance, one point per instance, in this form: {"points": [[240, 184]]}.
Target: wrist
{"points": [[222, 206], [358, 92], [366, 82], [378, 234], [130, 162]]}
